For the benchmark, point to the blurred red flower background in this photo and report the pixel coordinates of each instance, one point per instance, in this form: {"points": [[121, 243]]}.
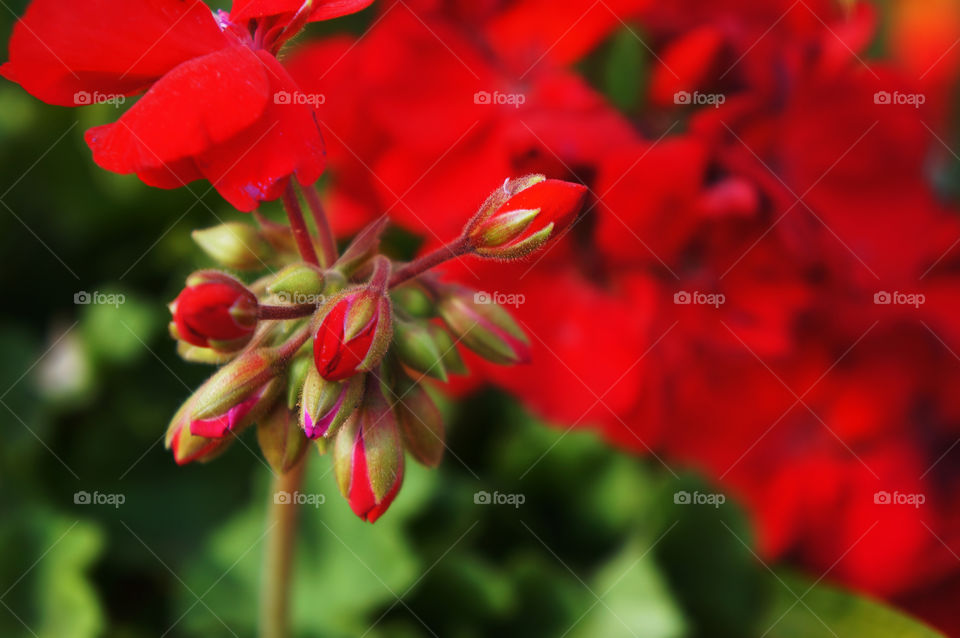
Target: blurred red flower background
{"points": [[763, 282]]}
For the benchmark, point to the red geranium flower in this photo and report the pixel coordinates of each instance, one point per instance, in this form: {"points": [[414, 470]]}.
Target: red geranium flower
{"points": [[216, 105]]}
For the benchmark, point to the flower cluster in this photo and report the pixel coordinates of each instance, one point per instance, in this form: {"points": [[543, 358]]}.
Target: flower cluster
{"points": [[730, 297], [347, 365]]}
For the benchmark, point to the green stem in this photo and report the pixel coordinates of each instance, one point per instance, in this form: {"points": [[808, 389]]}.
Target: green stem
{"points": [[328, 246], [456, 248], [294, 311], [278, 559], [299, 226]]}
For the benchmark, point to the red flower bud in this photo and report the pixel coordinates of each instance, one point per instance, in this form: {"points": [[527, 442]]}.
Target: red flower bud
{"points": [[215, 311], [356, 329], [368, 456], [520, 216]]}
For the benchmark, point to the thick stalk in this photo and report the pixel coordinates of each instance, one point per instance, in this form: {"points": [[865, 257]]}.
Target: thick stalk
{"points": [[278, 559], [294, 311], [456, 248], [328, 245], [299, 226]]}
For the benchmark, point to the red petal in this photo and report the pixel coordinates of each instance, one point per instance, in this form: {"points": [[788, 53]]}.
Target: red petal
{"points": [[558, 201], [200, 103], [109, 46], [324, 10], [254, 165]]}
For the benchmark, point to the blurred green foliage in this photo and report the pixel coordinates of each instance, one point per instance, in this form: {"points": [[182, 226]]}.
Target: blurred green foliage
{"points": [[598, 547]]}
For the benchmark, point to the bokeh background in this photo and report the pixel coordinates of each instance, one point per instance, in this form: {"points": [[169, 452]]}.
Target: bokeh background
{"points": [[599, 546]]}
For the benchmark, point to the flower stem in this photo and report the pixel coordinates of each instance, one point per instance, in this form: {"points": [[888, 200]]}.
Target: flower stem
{"points": [[278, 559], [328, 246], [456, 248], [299, 226], [295, 311]]}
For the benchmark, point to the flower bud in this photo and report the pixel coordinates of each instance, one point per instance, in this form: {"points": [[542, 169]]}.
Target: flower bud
{"points": [[326, 405], [485, 328], [234, 245], [520, 216], [414, 301], [368, 455], [214, 311], [421, 424], [297, 280], [355, 329], [281, 439], [186, 446], [419, 348], [237, 394]]}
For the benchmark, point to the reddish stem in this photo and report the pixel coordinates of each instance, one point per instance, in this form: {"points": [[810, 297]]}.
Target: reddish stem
{"points": [[456, 248], [295, 311], [328, 246], [299, 226]]}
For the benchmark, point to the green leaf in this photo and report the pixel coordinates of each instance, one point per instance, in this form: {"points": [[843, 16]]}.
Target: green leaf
{"points": [[633, 600], [625, 68], [829, 612]]}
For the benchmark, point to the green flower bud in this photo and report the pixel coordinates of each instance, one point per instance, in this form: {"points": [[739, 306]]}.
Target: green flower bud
{"points": [[484, 327], [281, 440], [234, 245]]}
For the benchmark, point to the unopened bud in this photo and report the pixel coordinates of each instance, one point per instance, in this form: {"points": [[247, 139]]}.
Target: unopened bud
{"points": [[421, 423], [368, 455], [485, 328], [297, 280], [355, 329], [236, 394], [416, 346], [326, 405], [187, 447], [281, 440], [215, 311], [234, 245], [521, 215], [414, 301]]}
